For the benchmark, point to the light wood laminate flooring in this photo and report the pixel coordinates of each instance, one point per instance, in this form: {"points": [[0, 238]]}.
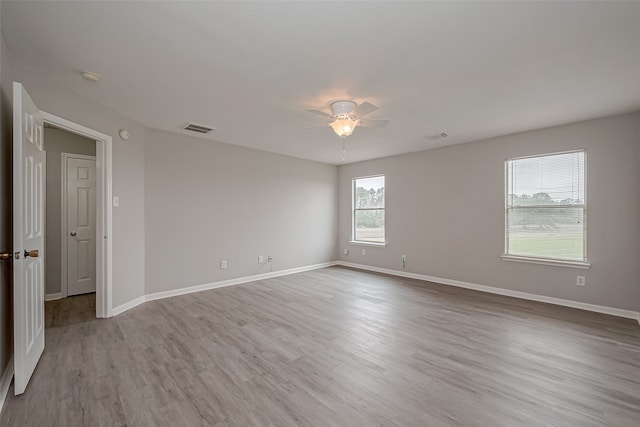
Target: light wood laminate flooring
{"points": [[333, 347]]}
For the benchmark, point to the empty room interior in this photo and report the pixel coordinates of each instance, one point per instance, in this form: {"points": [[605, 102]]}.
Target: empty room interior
{"points": [[314, 213]]}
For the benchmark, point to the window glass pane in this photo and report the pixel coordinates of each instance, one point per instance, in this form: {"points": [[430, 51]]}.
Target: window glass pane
{"points": [[546, 180], [546, 232], [369, 226], [369, 192]]}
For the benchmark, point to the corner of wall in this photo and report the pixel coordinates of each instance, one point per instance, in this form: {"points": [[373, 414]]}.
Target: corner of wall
{"points": [[638, 210]]}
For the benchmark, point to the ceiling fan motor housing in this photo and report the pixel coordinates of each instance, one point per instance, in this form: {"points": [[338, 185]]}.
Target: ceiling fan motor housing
{"points": [[343, 108]]}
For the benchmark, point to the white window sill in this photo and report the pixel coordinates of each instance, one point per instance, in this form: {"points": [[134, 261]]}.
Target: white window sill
{"points": [[356, 242], [542, 261]]}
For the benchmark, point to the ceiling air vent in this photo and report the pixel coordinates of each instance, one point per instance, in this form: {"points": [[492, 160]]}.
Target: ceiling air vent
{"points": [[198, 128], [438, 136]]}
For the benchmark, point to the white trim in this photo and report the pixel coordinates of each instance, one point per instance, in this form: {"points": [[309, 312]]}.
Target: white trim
{"points": [[104, 210], [5, 382], [64, 266], [501, 291], [361, 243], [128, 305], [237, 281], [555, 153], [53, 297], [204, 287], [542, 261]]}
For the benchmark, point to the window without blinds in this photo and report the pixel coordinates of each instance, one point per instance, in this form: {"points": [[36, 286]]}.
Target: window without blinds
{"points": [[368, 209], [546, 208]]}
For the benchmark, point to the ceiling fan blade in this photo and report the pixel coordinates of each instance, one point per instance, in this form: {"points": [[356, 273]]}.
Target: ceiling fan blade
{"points": [[320, 113], [373, 123], [364, 109]]}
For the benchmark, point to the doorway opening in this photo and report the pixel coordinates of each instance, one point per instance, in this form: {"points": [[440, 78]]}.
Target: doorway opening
{"points": [[90, 242], [70, 229]]}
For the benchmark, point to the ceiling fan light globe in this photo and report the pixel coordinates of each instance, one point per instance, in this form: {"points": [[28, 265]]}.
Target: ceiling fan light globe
{"points": [[343, 126]]}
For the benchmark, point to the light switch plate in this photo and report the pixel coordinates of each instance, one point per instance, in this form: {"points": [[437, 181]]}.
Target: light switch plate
{"points": [[116, 201]]}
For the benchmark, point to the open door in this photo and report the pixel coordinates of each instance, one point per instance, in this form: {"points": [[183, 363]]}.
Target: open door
{"points": [[29, 164]]}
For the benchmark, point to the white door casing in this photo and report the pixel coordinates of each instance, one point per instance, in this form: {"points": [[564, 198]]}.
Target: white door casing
{"points": [[79, 227], [104, 217], [29, 163]]}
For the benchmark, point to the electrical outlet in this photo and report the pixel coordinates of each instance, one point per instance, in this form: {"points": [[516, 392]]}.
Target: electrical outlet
{"points": [[223, 264], [269, 258], [581, 281], [364, 252], [260, 259], [346, 251], [404, 261]]}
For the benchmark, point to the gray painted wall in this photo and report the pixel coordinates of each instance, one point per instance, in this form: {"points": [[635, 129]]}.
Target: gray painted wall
{"points": [[6, 296], [128, 171], [208, 201], [56, 142], [445, 211]]}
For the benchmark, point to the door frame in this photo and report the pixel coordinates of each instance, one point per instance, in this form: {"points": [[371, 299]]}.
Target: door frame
{"points": [[104, 210], [63, 218]]}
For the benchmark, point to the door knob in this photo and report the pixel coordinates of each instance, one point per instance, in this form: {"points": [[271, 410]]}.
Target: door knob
{"points": [[5, 255], [33, 254], [73, 234]]}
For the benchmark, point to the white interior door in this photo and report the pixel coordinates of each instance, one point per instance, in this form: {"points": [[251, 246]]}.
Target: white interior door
{"points": [[29, 163], [81, 224]]}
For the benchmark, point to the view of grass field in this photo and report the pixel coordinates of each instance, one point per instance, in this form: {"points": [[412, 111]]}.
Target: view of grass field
{"points": [[566, 243], [561, 244], [370, 234]]}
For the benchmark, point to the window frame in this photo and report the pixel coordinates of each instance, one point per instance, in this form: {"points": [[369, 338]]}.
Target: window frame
{"points": [[584, 263], [354, 209]]}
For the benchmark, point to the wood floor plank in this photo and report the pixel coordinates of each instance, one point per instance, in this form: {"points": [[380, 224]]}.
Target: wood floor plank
{"points": [[333, 347]]}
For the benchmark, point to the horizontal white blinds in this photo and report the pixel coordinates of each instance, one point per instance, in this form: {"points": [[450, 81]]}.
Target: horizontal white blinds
{"points": [[546, 180], [546, 207]]}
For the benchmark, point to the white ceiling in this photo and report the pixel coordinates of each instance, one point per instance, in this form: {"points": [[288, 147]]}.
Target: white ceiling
{"points": [[250, 69]]}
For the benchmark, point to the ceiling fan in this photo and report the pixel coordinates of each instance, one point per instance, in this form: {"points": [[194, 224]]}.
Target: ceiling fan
{"points": [[347, 115]]}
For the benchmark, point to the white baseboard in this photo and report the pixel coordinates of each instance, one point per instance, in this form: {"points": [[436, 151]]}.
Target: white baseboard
{"points": [[198, 288], [5, 382], [501, 291], [127, 306], [629, 314], [53, 297], [238, 281]]}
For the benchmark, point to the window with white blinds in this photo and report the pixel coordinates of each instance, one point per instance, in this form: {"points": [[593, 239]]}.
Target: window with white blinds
{"points": [[546, 209], [368, 210]]}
